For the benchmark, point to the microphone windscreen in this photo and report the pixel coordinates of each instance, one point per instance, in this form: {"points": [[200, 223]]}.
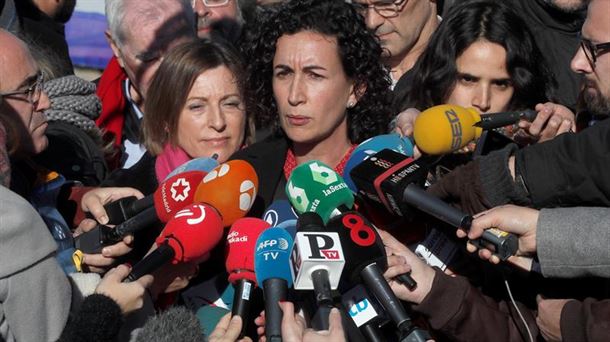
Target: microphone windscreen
{"points": [[371, 146], [203, 164], [272, 258], [177, 324], [278, 212], [391, 141], [176, 193], [315, 187], [241, 244], [193, 232], [290, 226], [230, 188], [445, 128]]}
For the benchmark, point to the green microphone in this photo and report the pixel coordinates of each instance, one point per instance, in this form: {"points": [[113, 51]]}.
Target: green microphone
{"points": [[315, 187]]}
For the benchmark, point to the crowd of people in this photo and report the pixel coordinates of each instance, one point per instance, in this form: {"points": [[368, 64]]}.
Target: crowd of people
{"points": [[281, 86]]}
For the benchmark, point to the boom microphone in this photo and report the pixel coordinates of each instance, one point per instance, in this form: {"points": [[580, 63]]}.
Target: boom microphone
{"points": [[190, 235], [241, 245], [230, 188], [445, 128], [272, 269], [172, 195]]}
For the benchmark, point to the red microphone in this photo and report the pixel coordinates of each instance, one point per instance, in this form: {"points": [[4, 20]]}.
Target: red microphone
{"points": [[241, 244], [172, 195], [188, 237], [230, 188]]}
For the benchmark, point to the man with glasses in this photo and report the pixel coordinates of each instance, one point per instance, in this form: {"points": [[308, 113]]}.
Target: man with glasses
{"points": [[22, 101], [33, 287], [403, 27], [222, 15]]}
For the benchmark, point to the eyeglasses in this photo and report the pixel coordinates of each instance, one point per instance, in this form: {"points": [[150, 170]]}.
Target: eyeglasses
{"points": [[211, 3], [32, 92], [593, 50], [385, 8]]}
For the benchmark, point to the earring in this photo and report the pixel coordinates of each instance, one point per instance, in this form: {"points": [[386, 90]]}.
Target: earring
{"points": [[350, 104]]}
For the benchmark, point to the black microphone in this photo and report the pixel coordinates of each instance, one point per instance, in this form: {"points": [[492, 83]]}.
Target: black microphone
{"points": [[366, 260], [392, 179]]}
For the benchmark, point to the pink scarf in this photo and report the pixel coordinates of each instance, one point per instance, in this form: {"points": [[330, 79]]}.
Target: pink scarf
{"points": [[168, 160]]}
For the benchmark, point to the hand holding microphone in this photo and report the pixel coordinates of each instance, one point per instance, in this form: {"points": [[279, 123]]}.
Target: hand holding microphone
{"points": [[521, 221]]}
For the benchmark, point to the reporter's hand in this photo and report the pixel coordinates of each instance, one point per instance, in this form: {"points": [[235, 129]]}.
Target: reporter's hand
{"points": [[227, 330], [405, 121], [552, 119], [549, 317], [129, 296], [402, 260], [100, 263], [94, 200], [294, 328], [260, 326]]}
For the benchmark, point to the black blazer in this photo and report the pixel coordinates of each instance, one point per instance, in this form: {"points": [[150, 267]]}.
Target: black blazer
{"points": [[268, 158]]}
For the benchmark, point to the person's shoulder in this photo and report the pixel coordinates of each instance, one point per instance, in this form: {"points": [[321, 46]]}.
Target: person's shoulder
{"points": [[272, 145]]}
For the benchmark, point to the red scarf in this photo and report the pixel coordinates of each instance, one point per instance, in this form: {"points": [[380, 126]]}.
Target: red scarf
{"points": [[291, 162], [110, 92]]}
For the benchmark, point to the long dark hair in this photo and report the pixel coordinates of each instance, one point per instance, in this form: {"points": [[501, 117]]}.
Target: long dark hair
{"points": [[358, 49], [435, 73]]}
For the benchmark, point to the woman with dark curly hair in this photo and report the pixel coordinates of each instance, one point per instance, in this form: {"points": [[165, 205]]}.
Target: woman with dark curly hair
{"points": [[316, 80], [483, 56]]}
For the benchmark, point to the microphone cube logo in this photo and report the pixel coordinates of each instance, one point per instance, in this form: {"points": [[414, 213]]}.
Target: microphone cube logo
{"points": [[313, 251], [298, 197], [323, 174], [180, 190], [359, 306]]}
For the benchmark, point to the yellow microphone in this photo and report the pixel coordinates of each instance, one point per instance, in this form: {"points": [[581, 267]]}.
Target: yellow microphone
{"points": [[445, 128]]}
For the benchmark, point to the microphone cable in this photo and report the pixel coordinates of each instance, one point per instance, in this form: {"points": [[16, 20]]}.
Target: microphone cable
{"points": [[512, 300]]}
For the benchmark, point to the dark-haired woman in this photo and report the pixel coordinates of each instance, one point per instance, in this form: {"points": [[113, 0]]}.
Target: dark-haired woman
{"points": [[315, 78], [483, 56]]}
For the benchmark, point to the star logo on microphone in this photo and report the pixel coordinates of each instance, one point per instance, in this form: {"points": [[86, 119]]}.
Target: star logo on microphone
{"points": [[180, 190]]}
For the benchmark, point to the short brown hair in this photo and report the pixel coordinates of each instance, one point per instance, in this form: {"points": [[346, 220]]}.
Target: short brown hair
{"points": [[172, 82]]}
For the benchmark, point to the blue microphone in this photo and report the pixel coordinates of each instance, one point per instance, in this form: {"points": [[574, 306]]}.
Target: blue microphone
{"points": [[272, 269], [290, 226], [204, 164], [278, 212], [371, 146]]}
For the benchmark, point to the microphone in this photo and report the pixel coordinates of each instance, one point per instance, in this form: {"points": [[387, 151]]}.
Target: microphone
{"points": [[366, 260], [371, 146], [391, 179], [175, 324], [241, 244], [230, 188], [316, 263], [204, 164], [190, 235], [314, 186], [445, 128], [278, 212], [272, 269], [364, 312], [501, 119], [172, 195]]}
